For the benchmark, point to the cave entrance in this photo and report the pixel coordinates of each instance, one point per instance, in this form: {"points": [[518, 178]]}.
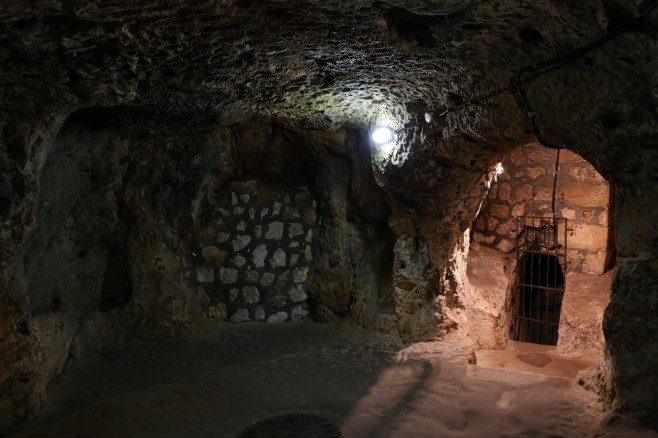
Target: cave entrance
{"points": [[540, 281]]}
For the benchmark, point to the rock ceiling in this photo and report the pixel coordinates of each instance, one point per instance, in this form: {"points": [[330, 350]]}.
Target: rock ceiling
{"points": [[324, 65]]}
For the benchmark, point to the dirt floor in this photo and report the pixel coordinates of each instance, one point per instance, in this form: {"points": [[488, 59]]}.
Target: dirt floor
{"points": [[368, 385]]}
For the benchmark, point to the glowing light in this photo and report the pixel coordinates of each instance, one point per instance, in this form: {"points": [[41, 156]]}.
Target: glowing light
{"points": [[499, 170], [382, 135]]}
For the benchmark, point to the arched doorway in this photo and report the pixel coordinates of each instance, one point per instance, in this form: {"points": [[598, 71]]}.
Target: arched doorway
{"points": [[552, 293]]}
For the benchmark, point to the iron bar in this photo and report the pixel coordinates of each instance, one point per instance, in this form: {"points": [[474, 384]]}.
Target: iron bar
{"points": [[557, 289], [541, 321], [539, 286]]}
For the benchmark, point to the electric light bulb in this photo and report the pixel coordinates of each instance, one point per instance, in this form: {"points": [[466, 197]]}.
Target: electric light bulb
{"points": [[382, 135]]}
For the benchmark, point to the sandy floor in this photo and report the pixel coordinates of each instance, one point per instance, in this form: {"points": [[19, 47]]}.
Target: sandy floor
{"points": [[370, 385], [532, 358]]}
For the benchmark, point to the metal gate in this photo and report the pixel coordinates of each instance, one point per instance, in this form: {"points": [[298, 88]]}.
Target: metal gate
{"points": [[541, 244]]}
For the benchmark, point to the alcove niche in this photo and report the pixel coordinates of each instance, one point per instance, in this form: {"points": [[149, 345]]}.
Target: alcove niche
{"points": [[535, 278], [152, 229], [297, 232]]}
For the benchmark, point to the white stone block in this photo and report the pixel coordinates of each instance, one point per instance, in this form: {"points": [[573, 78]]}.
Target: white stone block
{"points": [[298, 313], [259, 255], [267, 279], [277, 318], [250, 294], [228, 275], [241, 315], [297, 294], [279, 258], [300, 275], [240, 242], [274, 231], [295, 230]]}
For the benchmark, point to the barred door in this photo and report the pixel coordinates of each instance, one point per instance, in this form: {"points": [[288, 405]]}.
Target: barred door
{"points": [[540, 280]]}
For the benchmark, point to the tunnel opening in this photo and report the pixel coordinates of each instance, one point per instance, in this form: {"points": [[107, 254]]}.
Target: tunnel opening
{"points": [[539, 286]]}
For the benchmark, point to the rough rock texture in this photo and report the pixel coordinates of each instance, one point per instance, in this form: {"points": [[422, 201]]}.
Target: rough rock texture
{"points": [[416, 287], [585, 299], [489, 279], [191, 94]]}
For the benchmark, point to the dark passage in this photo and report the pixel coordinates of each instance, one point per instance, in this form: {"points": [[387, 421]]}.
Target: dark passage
{"points": [[537, 296]]}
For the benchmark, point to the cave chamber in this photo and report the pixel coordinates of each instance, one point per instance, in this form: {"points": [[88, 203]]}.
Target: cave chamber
{"points": [[176, 170]]}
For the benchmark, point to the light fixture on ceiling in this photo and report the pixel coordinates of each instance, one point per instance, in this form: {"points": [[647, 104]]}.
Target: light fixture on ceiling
{"points": [[382, 135]]}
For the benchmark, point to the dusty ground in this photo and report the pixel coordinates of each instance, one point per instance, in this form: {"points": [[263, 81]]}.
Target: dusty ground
{"points": [[370, 385]]}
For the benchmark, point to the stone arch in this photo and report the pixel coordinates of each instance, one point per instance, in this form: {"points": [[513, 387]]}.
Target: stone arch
{"points": [[583, 198]]}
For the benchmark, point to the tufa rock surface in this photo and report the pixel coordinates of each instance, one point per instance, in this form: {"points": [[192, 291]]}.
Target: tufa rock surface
{"points": [[119, 122]]}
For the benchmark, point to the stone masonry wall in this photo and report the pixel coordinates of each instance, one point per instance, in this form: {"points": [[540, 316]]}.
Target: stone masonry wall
{"points": [[525, 188], [254, 256]]}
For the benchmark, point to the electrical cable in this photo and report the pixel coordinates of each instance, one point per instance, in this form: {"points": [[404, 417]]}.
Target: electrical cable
{"points": [[555, 171], [550, 64], [557, 164], [496, 92], [547, 65]]}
